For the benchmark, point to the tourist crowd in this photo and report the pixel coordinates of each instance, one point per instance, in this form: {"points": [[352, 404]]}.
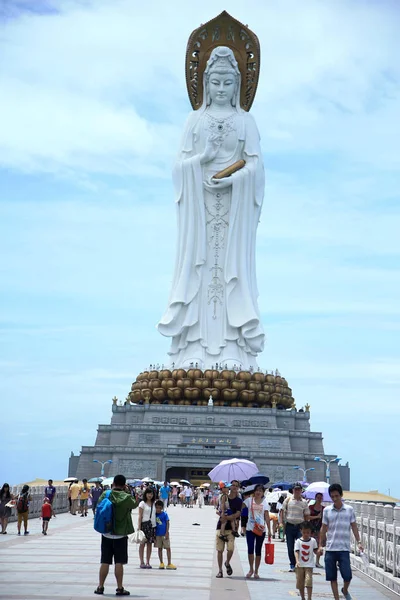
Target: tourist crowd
{"points": [[309, 529]]}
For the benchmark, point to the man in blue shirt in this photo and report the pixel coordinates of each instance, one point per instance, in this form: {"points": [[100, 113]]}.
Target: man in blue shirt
{"points": [[164, 494], [50, 493], [162, 536]]}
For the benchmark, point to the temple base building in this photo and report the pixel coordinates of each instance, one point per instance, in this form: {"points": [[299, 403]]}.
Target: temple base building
{"points": [[166, 435]]}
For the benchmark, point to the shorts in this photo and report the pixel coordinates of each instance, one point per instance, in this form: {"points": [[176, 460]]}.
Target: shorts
{"points": [[117, 549], [243, 521], [23, 517], [83, 503], [220, 544], [51, 500], [304, 577], [334, 559], [162, 543], [46, 519]]}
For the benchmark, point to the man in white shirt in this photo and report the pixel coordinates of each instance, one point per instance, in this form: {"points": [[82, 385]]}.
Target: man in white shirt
{"points": [[295, 511], [337, 521]]}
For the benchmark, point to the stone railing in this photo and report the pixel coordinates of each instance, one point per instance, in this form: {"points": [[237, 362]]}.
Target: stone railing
{"points": [[379, 527], [60, 504]]}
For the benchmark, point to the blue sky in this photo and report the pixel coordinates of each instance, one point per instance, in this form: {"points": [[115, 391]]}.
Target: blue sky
{"points": [[92, 105]]}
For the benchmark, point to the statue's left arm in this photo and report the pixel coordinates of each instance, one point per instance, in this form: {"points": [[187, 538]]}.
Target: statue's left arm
{"points": [[254, 160]]}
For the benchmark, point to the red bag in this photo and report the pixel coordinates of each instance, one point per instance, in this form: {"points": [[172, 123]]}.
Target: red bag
{"points": [[269, 552]]}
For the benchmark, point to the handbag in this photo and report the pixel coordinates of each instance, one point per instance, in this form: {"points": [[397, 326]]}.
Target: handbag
{"points": [[269, 552], [258, 529], [148, 528], [137, 538]]}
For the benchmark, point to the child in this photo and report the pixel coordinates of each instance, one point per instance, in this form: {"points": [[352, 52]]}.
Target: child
{"points": [[223, 507], [305, 549], [162, 535], [47, 511]]}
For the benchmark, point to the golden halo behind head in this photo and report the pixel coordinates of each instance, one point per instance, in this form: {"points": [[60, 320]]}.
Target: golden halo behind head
{"points": [[223, 30]]}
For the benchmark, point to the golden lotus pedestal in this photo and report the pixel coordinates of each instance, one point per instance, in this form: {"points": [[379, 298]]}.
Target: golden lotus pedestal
{"points": [[226, 387]]}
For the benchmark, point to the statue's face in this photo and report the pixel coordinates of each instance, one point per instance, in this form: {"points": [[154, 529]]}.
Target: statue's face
{"points": [[222, 87]]}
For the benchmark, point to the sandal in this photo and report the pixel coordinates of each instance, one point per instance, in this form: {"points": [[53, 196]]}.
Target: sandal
{"points": [[99, 590], [256, 576], [229, 570], [219, 575], [249, 575], [122, 592], [143, 566]]}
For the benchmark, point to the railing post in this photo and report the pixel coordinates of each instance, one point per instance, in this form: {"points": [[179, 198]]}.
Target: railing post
{"points": [[396, 549]]}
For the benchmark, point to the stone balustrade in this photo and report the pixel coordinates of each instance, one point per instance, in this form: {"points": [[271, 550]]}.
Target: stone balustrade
{"points": [[60, 503], [379, 527]]}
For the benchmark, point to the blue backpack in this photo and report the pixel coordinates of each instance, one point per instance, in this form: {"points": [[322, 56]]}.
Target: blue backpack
{"points": [[104, 516]]}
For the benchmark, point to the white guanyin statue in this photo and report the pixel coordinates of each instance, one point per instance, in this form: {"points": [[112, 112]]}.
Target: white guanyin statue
{"points": [[212, 314]]}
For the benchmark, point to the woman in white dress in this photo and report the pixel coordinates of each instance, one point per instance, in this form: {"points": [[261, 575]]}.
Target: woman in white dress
{"points": [[212, 314], [147, 524]]}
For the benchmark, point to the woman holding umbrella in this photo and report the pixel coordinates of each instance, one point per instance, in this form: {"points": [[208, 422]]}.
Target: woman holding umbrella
{"points": [[257, 524], [315, 517]]}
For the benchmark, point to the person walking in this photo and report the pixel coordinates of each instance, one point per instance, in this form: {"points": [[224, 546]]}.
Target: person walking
{"points": [[50, 492], [95, 494], [5, 511], [235, 506], [84, 492], [257, 524], [296, 511], [338, 520], [174, 495], [147, 524], [47, 511], [164, 494], [305, 548], [200, 498], [188, 495], [115, 545], [316, 512], [74, 495], [23, 509]]}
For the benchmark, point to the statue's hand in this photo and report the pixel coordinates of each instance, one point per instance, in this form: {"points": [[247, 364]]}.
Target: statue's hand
{"points": [[213, 185], [213, 144]]}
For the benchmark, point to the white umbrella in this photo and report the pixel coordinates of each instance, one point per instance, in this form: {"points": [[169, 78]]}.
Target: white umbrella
{"points": [[274, 496], [148, 480], [107, 481], [235, 468], [318, 487], [69, 479], [175, 483]]}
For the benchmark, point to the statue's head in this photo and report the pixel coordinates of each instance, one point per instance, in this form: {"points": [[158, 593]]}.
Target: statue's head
{"points": [[222, 78]]}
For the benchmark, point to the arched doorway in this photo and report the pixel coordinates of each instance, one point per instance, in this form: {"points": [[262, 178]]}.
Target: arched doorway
{"points": [[196, 475]]}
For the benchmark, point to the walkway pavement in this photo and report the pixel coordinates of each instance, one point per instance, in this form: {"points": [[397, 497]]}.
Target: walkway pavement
{"points": [[65, 563]]}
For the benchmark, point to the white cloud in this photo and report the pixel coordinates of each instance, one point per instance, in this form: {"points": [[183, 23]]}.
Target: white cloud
{"points": [[97, 90], [111, 97]]}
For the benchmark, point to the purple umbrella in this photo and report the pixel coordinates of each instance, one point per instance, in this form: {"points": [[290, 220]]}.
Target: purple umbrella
{"points": [[235, 468], [318, 487]]}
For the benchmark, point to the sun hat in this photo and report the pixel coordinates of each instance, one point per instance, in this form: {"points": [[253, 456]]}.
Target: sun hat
{"points": [[224, 484]]}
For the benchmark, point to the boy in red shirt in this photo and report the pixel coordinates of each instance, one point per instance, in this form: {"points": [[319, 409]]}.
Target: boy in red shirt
{"points": [[47, 511]]}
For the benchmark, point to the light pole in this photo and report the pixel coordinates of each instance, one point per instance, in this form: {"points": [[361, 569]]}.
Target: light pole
{"points": [[328, 465], [102, 465], [304, 471]]}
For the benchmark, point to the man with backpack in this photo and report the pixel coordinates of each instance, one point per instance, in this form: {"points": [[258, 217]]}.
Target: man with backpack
{"points": [[114, 521], [23, 509]]}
